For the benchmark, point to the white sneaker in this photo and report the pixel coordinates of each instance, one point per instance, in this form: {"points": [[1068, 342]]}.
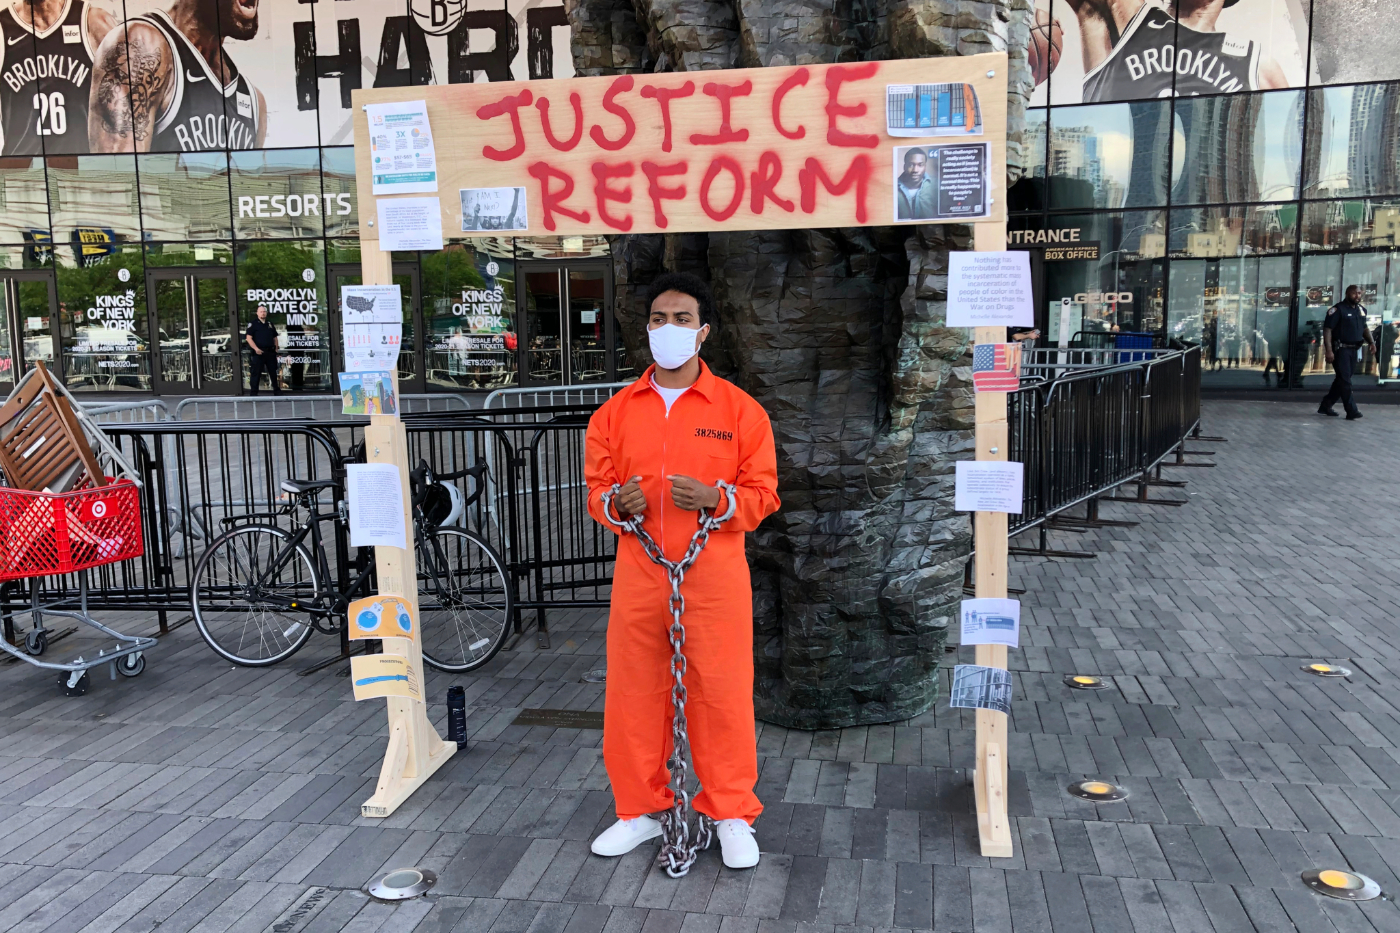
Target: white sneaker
{"points": [[737, 843], [625, 835]]}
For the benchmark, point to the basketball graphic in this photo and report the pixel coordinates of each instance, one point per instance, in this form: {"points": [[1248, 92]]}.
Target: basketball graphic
{"points": [[1047, 38], [438, 17]]}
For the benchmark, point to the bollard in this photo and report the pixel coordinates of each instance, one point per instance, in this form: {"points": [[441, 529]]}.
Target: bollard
{"points": [[457, 716]]}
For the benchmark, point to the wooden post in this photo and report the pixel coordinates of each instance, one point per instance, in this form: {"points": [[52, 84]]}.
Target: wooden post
{"points": [[989, 781], [415, 749]]}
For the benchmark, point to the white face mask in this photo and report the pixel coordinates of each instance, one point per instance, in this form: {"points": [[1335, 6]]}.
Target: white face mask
{"points": [[672, 346]]}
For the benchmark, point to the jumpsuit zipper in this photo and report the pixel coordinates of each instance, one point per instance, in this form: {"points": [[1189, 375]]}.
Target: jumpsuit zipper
{"points": [[665, 438]]}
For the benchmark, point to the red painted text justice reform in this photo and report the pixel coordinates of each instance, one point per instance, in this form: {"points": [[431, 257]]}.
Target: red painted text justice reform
{"points": [[702, 160]]}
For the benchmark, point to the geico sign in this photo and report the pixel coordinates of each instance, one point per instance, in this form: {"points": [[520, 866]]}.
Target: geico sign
{"points": [[1124, 298], [294, 205]]}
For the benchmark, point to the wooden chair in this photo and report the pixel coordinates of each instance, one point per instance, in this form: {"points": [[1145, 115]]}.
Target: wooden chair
{"points": [[42, 443]]}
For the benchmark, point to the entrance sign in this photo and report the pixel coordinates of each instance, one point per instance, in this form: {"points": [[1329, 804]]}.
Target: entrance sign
{"points": [[743, 149], [750, 149], [990, 290]]}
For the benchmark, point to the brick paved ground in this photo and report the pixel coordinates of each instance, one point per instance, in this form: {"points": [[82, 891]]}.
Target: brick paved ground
{"points": [[200, 797]]}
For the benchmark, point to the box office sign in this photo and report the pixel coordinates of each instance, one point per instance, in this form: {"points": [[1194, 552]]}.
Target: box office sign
{"points": [[745, 149]]}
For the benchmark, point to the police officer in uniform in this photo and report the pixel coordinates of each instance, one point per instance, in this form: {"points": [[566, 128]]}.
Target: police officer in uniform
{"points": [[1343, 333], [261, 338]]}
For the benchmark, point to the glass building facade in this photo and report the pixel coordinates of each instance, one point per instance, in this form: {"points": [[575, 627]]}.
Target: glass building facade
{"points": [[1218, 180], [134, 262], [1210, 173]]}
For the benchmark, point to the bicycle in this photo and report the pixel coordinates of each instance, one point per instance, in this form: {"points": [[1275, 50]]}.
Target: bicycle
{"points": [[259, 590]]}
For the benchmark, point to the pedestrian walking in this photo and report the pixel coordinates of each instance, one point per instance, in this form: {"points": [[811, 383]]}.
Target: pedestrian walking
{"points": [[667, 440], [261, 338], [1344, 332]]}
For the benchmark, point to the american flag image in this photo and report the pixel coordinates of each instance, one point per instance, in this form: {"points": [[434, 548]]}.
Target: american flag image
{"points": [[996, 367]]}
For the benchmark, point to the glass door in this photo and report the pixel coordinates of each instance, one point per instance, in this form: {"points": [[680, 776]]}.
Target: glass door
{"points": [[27, 333], [196, 337], [411, 367], [569, 336]]}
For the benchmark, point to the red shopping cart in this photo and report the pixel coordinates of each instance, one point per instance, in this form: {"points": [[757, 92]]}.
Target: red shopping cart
{"points": [[45, 533]]}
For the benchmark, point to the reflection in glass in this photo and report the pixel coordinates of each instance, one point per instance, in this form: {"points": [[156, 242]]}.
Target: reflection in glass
{"points": [[93, 200], [289, 278], [1353, 142], [1240, 147], [1237, 310], [197, 345], [277, 193], [24, 201], [547, 247], [1351, 224], [469, 316], [1109, 155], [1028, 194], [173, 328], [543, 340], [189, 254], [1121, 290], [588, 354], [1233, 231], [103, 321], [185, 195], [216, 339], [1323, 280], [341, 214]]}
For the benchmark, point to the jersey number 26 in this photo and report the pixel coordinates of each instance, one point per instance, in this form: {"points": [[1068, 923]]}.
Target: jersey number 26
{"points": [[51, 112]]}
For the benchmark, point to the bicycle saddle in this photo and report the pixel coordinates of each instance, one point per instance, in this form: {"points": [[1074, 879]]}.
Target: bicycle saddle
{"points": [[300, 487]]}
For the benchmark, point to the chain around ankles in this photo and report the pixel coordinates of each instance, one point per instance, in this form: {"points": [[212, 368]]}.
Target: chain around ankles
{"points": [[678, 852]]}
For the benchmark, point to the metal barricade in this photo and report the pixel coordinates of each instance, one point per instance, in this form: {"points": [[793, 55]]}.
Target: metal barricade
{"points": [[315, 408], [145, 411], [1088, 432], [1078, 437], [523, 403]]}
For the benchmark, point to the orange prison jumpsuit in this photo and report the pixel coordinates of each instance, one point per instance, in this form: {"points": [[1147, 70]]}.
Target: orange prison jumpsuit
{"points": [[715, 431]]}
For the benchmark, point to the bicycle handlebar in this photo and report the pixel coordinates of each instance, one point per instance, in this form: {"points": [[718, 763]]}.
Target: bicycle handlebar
{"points": [[421, 477]]}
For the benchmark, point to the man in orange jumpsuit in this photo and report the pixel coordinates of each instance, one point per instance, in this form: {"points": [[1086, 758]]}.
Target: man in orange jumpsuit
{"points": [[666, 439]]}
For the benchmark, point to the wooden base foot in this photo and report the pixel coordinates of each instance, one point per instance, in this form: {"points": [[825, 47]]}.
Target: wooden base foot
{"points": [[993, 824], [403, 771]]}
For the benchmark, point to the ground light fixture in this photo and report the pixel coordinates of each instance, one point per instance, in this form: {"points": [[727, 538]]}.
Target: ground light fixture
{"points": [[1347, 885], [1085, 682], [1097, 791], [401, 884], [1327, 670]]}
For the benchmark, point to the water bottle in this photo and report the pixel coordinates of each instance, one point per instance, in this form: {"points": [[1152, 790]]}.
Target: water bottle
{"points": [[457, 716]]}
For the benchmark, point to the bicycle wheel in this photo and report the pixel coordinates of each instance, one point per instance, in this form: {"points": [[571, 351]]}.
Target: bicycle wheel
{"points": [[251, 593], [464, 602]]}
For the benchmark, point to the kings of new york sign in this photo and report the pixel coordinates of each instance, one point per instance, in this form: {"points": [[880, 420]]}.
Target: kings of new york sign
{"points": [[854, 144]]}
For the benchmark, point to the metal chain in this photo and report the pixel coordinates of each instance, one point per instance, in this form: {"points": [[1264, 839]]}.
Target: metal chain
{"points": [[677, 851]]}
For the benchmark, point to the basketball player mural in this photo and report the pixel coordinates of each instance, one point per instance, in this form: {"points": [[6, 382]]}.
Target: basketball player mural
{"points": [[185, 93], [1132, 48], [46, 54]]}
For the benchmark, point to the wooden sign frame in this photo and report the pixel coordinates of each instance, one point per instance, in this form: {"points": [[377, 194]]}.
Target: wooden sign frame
{"points": [[791, 147], [415, 749]]}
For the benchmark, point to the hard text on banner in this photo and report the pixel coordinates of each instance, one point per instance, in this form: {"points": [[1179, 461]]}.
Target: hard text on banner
{"points": [[855, 144]]}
